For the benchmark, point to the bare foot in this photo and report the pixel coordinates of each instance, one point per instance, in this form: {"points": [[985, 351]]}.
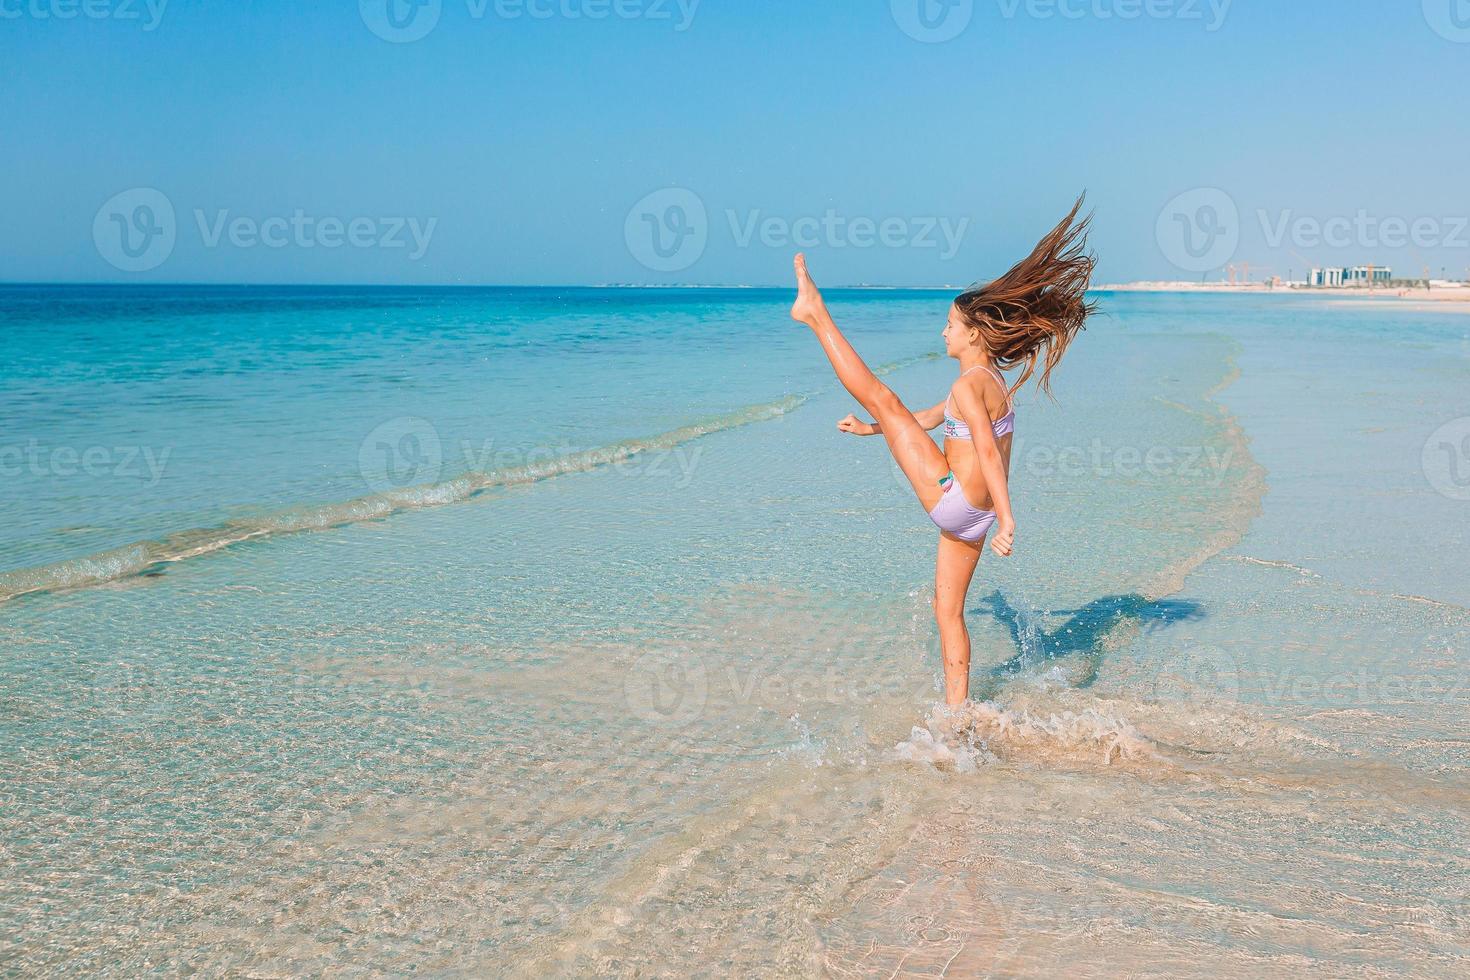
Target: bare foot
{"points": [[809, 307]]}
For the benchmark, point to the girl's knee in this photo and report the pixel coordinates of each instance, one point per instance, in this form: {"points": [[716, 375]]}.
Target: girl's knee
{"points": [[949, 611], [885, 399]]}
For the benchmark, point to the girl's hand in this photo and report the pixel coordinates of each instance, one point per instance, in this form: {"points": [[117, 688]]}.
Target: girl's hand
{"points": [[1004, 540], [855, 425]]}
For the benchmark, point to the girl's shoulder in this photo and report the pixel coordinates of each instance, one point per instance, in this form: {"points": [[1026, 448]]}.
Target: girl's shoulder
{"points": [[984, 386]]}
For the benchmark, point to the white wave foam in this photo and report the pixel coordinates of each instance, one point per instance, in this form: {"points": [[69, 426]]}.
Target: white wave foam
{"points": [[974, 734], [131, 559]]}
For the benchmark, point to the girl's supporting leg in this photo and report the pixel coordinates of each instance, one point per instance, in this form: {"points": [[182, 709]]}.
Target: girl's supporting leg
{"points": [[954, 569], [920, 459]]}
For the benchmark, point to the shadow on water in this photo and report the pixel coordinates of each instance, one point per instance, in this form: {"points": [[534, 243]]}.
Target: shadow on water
{"points": [[1081, 636]]}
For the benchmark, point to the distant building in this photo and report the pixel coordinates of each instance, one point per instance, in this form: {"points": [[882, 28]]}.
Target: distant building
{"points": [[1358, 275], [1361, 275]]}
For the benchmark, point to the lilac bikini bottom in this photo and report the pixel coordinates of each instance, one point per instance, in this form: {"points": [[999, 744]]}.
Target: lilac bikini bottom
{"points": [[956, 515]]}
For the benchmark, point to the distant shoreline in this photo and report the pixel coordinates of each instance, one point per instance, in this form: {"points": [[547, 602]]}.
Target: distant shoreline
{"points": [[1456, 296], [1450, 296]]}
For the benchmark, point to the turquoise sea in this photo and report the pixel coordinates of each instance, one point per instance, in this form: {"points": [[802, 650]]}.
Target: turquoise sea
{"points": [[559, 631]]}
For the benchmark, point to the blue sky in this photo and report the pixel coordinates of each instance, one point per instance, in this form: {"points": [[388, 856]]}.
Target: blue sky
{"points": [[292, 143]]}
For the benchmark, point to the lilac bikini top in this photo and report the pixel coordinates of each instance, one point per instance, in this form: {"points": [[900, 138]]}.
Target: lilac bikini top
{"points": [[1003, 426]]}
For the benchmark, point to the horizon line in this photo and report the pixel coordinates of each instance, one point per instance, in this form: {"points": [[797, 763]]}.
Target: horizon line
{"points": [[449, 285]]}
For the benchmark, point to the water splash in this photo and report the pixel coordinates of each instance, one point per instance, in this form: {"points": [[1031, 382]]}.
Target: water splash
{"points": [[975, 734]]}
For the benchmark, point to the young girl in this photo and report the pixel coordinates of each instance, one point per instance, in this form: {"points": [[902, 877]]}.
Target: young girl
{"points": [[1030, 314]]}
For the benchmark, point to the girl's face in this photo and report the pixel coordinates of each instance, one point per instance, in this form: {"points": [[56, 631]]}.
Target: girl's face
{"points": [[956, 334]]}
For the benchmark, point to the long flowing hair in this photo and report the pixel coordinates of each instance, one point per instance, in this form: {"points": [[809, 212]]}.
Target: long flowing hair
{"points": [[1033, 312]]}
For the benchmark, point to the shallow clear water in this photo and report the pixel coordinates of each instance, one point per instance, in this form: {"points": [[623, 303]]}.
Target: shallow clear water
{"points": [[652, 690]]}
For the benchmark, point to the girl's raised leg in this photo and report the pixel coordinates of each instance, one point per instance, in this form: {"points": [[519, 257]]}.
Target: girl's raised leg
{"points": [[920, 459]]}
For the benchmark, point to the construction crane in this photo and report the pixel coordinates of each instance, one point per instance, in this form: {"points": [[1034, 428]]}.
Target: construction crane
{"points": [[1304, 261]]}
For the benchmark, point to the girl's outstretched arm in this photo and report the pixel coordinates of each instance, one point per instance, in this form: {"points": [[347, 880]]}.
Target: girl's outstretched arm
{"points": [[929, 418], [992, 466]]}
